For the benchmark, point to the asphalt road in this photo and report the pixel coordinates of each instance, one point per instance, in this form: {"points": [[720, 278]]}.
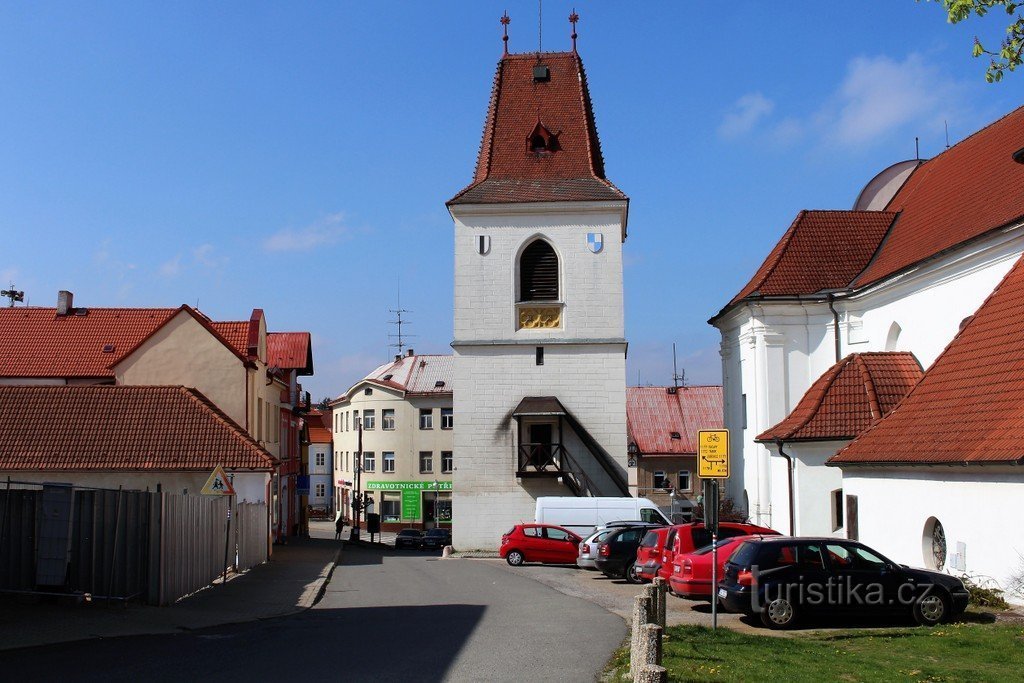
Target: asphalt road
{"points": [[385, 616]]}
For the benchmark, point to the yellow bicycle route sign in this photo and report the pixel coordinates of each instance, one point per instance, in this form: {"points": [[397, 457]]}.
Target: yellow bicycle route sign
{"points": [[713, 453]]}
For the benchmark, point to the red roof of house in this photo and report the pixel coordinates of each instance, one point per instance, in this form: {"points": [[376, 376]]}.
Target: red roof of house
{"points": [[507, 170], [969, 407], [290, 351], [971, 188], [417, 375], [653, 414], [235, 333], [120, 428], [318, 425], [851, 396], [822, 250], [36, 342]]}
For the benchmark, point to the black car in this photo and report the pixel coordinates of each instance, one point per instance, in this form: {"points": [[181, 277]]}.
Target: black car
{"points": [[782, 579], [617, 553], [408, 538], [436, 538]]}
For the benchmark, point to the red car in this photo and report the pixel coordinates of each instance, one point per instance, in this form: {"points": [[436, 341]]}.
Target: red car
{"points": [[691, 572], [539, 543], [682, 539]]}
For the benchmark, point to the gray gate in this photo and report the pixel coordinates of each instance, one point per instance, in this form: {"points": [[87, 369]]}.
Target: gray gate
{"points": [[193, 534], [253, 534]]}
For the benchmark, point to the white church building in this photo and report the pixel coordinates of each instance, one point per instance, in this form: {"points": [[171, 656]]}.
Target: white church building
{"points": [[863, 334], [539, 346]]}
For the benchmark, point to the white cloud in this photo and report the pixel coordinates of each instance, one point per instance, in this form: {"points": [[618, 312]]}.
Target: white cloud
{"points": [[746, 113], [171, 268], [327, 230], [205, 255]]}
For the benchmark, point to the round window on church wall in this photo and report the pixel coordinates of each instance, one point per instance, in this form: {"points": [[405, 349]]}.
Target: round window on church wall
{"points": [[933, 544]]}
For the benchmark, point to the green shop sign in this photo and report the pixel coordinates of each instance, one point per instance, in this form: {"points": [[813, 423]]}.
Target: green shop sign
{"points": [[412, 500]]}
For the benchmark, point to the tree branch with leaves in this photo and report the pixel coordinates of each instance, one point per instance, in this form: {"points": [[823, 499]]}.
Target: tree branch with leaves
{"points": [[1010, 53]]}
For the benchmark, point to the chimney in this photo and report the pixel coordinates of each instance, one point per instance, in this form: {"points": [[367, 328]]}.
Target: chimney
{"points": [[398, 357], [410, 353], [65, 302]]}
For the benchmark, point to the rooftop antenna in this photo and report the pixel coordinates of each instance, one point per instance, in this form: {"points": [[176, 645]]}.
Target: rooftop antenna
{"points": [[504, 24], [13, 295], [917, 148], [540, 15], [678, 379], [573, 18], [946, 124], [400, 336]]}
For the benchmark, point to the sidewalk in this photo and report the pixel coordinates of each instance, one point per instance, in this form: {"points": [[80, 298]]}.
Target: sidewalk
{"points": [[289, 583]]}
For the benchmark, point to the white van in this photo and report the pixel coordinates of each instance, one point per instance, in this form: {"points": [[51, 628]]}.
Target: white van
{"points": [[583, 515]]}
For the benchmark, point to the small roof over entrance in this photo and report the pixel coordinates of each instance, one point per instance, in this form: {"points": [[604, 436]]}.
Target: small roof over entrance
{"points": [[539, 405]]}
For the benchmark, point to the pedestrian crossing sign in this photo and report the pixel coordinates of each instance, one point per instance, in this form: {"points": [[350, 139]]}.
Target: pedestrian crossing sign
{"points": [[218, 484]]}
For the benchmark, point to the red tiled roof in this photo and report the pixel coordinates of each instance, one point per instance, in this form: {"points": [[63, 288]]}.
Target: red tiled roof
{"points": [[968, 190], [417, 375], [36, 342], [821, 250], [652, 414], [120, 428], [851, 395], [290, 351], [506, 170], [969, 407], [235, 333], [319, 427]]}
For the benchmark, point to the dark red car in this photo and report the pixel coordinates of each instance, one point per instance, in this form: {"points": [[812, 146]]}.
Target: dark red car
{"points": [[685, 538], [539, 543], [691, 572]]}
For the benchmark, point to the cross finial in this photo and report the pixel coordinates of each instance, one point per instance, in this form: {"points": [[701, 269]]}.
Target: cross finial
{"points": [[504, 23], [573, 18]]}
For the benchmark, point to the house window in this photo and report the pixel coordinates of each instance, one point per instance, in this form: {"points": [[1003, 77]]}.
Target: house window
{"points": [[426, 418], [387, 419], [369, 464], [660, 480], [837, 510], [320, 459], [684, 481], [538, 273], [369, 417], [389, 461], [426, 462], [355, 419], [346, 421], [321, 490], [391, 506], [367, 391], [447, 418], [446, 462]]}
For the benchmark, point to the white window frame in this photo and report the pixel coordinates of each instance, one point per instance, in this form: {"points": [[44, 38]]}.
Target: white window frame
{"points": [[387, 415], [387, 459], [426, 418], [321, 490], [447, 418], [321, 459], [447, 462], [429, 455], [655, 476], [369, 462], [689, 480], [369, 419]]}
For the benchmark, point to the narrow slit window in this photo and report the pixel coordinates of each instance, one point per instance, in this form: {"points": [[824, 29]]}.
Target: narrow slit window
{"points": [[540, 355]]}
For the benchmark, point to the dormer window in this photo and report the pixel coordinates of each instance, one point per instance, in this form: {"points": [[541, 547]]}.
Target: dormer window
{"points": [[542, 140]]}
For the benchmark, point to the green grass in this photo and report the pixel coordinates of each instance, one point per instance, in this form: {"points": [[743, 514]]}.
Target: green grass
{"points": [[952, 652]]}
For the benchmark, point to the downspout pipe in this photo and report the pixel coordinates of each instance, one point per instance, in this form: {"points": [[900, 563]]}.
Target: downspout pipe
{"points": [[835, 319], [789, 486]]}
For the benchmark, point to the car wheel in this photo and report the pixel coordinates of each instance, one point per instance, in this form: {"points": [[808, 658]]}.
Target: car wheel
{"points": [[931, 609], [515, 558], [631, 575], [779, 613]]}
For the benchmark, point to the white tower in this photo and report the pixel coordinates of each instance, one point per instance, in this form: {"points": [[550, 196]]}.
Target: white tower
{"points": [[539, 344]]}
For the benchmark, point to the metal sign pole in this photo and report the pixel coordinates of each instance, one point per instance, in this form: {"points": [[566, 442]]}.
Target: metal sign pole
{"points": [[714, 582]]}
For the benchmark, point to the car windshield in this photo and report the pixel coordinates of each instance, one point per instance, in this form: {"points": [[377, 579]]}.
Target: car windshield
{"points": [[745, 554], [437, 532], [650, 540], [409, 532], [708, 548]]}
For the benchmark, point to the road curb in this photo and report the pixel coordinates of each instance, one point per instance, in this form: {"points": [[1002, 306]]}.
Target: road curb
{"points": [[324, 580]]}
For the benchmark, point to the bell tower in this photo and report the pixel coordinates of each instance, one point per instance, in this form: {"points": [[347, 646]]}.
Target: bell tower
{"points": [[540, 378]]}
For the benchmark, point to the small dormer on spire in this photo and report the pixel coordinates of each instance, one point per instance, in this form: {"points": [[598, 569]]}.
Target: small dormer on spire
{"points": [[573, 18], [541, 141], [505, 20]]}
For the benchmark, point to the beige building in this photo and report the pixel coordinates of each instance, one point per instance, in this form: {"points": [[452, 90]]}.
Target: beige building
{"points": [[407, 460]]}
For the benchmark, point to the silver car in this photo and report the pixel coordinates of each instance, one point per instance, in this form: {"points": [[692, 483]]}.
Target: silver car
{"points": [[588, 549]]}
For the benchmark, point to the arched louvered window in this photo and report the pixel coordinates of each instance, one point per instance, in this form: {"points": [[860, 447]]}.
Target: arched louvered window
{"points": [[538, 273]]}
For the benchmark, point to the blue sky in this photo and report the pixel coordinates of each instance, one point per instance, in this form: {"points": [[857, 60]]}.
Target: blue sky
{"points": [[297, 156]]}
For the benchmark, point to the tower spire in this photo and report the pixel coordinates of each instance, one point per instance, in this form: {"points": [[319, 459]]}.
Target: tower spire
{"points": [[573, 18], [504, 24]]}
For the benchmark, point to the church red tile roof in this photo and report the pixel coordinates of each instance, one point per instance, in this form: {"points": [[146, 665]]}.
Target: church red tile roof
{"points": [[120, 428], [971, 188], [290, 351], [506, 169], [821, 250], [36, 342], [851, 396], [653, 414], [969, 407]]}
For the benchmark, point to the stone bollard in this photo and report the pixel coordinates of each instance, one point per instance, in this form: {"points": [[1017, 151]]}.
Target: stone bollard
{"points": [[447, 551], [651, 673], [650, 645], [661, 591], [641, 608]]}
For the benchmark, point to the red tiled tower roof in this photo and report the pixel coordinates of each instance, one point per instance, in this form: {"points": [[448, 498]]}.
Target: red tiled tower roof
{"points": [[572, 169], [851, 396], [653, 414], [121, 428], [36, 342], [822, 250], [969, 407], [971, 188]]}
